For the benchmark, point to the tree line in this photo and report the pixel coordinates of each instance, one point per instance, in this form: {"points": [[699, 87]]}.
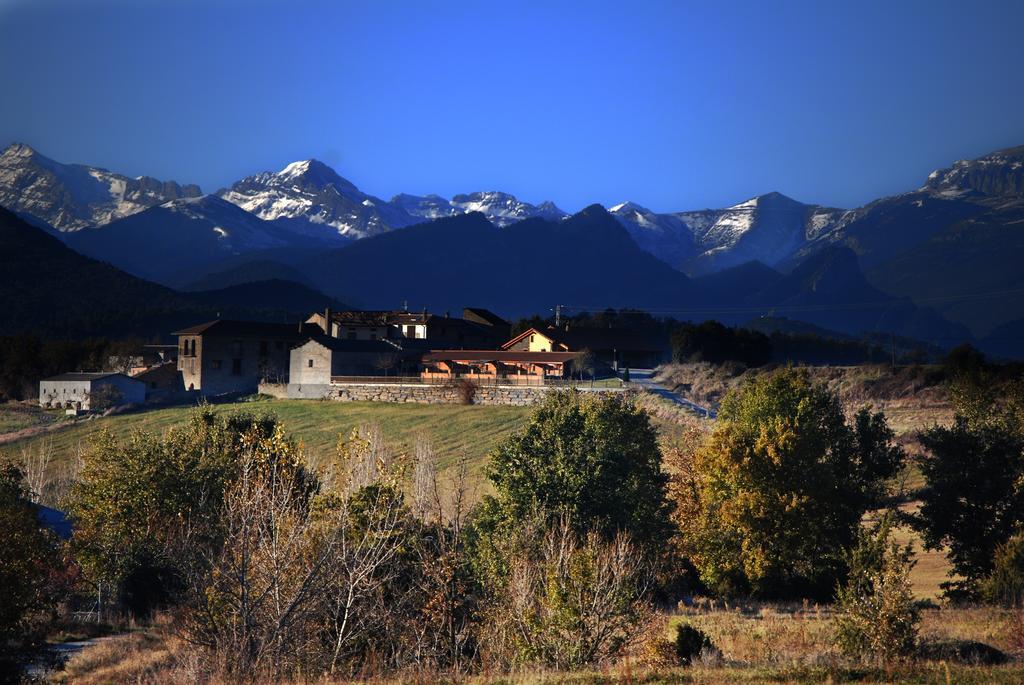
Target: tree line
{"points": [[375, 563]]}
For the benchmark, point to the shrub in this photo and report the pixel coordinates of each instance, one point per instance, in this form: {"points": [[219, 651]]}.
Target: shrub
{"points": [[877, 618], [690, 642], [1005, 585], [147, 508], [28, 573], [567, 602], [466, 390]]}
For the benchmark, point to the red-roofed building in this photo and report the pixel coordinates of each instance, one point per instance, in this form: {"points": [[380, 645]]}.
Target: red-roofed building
{"points": [[515, 366]]}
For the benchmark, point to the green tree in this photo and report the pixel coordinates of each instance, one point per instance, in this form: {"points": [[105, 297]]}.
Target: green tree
{"points": [[973, 499], [146, 507], [591, 460], [774, 496], [28, 571], [876, 617]]}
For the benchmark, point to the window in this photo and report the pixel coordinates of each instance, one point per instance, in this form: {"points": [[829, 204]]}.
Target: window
{"points": [[351, 334], [236, 348], [236, 367], [311, 363], [373, 335], [531, 338], [410, 331], [215, 364]]}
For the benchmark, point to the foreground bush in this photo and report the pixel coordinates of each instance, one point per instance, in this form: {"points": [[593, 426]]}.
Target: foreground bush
{"points": [[147, 508], [690, 642], [1005, 585], [29, 569], [876, 616], [572, 602]]}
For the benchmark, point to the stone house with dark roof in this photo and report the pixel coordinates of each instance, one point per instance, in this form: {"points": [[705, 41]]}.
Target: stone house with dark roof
{"points": [[224, 356]]}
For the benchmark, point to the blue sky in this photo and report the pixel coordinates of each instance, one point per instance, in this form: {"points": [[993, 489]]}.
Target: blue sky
{"points": [[674, 105]]}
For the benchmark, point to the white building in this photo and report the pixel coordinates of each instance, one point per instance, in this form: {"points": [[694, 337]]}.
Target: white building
{"points": [[84, 391]]}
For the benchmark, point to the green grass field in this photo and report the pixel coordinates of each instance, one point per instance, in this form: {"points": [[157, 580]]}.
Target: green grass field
{"points": [[454, 431], [18, 416]]}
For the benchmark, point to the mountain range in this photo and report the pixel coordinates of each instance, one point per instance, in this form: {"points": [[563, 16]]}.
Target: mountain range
{"points": [[943, 259], [48, 289]]}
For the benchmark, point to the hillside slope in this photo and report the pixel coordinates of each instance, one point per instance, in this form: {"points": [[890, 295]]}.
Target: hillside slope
{"points": [[50, 290], [587, 261]]}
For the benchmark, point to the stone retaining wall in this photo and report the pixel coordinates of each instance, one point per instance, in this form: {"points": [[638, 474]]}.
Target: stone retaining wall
{"points": [[422, 394]]}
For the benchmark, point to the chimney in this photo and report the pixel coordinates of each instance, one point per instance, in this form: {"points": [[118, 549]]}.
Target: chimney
{"points": [[447, 315], [327, 321]]}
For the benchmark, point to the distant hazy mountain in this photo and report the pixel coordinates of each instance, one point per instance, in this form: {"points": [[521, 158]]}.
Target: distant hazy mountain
{"points": [[829, 289], [665, 236], [586, 260], [272, 296], [69, 197], [768, 228], [955, 244], [49, 289], [180, 237]]}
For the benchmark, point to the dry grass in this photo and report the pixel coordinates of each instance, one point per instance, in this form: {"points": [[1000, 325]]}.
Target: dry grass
{"points": [[138, 657], [760, 643], [914, 398]]}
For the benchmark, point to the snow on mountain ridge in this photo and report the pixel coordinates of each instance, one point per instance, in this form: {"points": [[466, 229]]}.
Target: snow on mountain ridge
{"points": [[311, 199], [501, 209], [70, 197]]}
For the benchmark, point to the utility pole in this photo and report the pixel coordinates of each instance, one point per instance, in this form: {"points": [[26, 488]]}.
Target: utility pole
{"points": [[558, 316]]}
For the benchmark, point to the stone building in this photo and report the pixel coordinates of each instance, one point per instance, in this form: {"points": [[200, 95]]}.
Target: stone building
{"points": [[314, 361], [81, 391], [223, 356]]}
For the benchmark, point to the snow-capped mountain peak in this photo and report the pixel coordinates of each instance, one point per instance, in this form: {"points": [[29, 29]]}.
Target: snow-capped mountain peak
{"points": [[999, 174], [311, 199], [501, 209], [70, 197], [313, 173]]}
